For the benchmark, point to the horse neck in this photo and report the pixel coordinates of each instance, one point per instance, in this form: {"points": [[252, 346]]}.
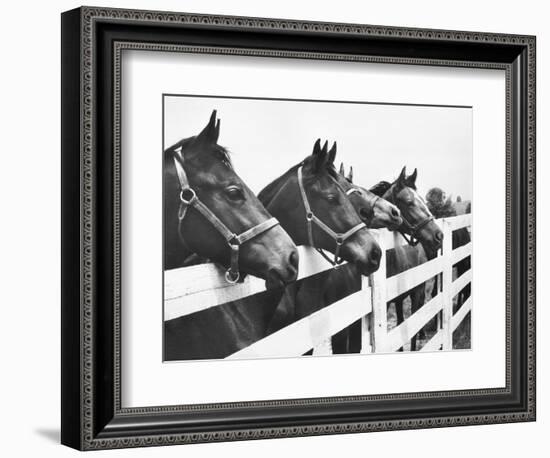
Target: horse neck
{"points": [[283, 200], [270, 192]]}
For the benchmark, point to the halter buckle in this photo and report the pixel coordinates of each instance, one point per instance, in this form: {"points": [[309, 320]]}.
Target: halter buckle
{"points": [[231, 277], [339, 241], [233, 242], [190, 200], [309, 216]]}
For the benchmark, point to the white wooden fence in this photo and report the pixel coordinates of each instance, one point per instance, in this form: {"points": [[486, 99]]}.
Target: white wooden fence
{"points": [[192, 289]]}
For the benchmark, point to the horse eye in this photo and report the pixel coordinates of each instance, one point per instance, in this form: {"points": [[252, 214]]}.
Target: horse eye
{"points": [[234, 193], [332, 198]]}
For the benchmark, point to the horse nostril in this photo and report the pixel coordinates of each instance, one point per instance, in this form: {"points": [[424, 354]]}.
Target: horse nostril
{"points": [[395, 212], [293, 259], [439, 236]]}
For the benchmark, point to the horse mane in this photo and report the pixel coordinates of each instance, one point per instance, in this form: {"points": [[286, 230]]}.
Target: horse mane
{"points": [[381, 188], [221, 152]]}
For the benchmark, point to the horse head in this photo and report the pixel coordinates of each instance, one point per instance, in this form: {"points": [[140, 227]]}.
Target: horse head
{"points": [[439, 204], [314, 209], [211, 212], [418, 221], [375, 211]]}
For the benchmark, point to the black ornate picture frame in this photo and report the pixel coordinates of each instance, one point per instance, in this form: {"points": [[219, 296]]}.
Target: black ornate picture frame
{"points": [[92, 42]]}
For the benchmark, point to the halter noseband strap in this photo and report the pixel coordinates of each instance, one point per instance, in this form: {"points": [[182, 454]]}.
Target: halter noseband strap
{"points": [[189, 198], [311, 219], [413, 239]]}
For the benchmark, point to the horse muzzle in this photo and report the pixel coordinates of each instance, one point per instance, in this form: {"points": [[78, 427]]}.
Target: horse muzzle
{"points": [[365, 256], [372, 262], [284, 274]]}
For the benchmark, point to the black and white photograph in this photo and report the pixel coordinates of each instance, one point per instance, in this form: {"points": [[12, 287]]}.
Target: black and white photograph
{"points": [[314, 227], [286, 225]]}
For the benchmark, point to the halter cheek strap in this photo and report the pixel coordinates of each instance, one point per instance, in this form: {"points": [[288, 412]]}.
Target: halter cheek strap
{"points": [[410, 231], [311, 219], [188, 198]]}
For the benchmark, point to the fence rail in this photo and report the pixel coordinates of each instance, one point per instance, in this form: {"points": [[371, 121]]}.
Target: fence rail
{"points": [[311, 331], [194, 289]]}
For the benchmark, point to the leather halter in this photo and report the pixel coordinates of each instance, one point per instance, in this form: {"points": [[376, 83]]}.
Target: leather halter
{"points": [[372, 201], [311, 219], [188, 198], [411, 230], [411, 235]]}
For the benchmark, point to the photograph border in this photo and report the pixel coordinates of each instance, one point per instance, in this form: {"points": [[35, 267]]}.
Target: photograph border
{"points": [[118, 151], [93, 40]]}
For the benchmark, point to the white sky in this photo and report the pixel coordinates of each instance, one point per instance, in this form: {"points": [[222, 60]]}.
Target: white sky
{"points": [[267, 137]]}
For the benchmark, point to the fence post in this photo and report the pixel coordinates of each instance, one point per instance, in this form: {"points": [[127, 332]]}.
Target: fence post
{"points": [[366, 322], [379, 314], [324, 348], [447, 282]]}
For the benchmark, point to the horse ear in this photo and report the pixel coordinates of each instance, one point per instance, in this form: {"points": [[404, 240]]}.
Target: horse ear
{"points": [[342, 171], [320, 156], [350, 175], [211, 131], [402, 176], [217, 130], [332, 154], [317, 147], [411, 180], [325, 147]]}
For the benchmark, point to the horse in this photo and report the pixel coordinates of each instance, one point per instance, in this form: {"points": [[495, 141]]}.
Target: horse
{"points": [[332, 285], [209, 211], [420, 231], [339, 283], [222, 330], [377, 213], [442, 207], [325, 219], [327, 287]]}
